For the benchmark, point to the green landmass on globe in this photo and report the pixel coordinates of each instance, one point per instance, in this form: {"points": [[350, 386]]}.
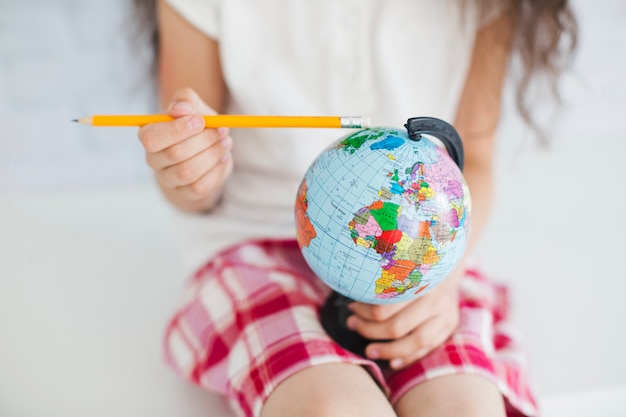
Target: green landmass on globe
{"points": [[402, 202]]}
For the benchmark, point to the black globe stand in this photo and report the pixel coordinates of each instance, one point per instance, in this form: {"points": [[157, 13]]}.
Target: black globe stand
{"points": [[335, 312], [444, 131], [334, 315]]}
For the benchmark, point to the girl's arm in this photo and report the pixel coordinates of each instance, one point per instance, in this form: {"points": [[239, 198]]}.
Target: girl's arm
{"points": [[191, 163], [187, 58], [417, 327], [479, 113]]}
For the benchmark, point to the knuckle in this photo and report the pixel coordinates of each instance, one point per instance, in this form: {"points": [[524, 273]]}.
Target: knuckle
{"points": [[180, 128], [201, 187], [185, 173], [395, 329], [419, 341], [175, 153], [378, 313]]}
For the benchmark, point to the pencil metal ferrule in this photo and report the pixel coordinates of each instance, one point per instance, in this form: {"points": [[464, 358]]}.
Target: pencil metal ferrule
{"points": [[354, 122]]}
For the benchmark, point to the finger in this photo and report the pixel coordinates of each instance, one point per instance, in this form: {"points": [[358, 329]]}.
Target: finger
{"points": [[398, 325], [377, 312], [209, 181], [191, 170], [182, 151], [156, 137], [186, 102], [393, 328], [414, 346]]}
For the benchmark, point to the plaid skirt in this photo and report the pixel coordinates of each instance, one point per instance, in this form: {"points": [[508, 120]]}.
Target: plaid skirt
{"points": [[250, 319]]}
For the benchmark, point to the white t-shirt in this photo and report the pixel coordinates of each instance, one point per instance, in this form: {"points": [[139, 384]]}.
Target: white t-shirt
{"points": [[386, 59]]}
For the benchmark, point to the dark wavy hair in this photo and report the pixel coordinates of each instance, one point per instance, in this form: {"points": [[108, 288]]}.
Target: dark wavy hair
{"points": [[544, 38]]}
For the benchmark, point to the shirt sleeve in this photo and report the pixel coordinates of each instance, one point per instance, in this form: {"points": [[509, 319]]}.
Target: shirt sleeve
{"points": [[203, 14]]}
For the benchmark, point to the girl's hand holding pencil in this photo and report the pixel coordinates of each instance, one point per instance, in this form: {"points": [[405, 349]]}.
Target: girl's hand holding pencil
{"points": [[189, 147], [191, 162]]}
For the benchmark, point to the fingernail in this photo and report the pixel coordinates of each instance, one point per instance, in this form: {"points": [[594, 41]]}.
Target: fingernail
{"points": [[227, 142], [226, 157], [421, 353], [351, 323], [373, 354], [222, 131], [182, 107], [396, 363], [196, 123]]}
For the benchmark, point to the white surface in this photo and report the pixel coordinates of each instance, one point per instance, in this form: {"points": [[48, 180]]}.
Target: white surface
{"points": [[608, 402], [88, 280]]}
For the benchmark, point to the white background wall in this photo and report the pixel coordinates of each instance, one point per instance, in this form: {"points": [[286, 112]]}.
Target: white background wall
{"points": [[564, 257], [60, 60], [64, 59]]}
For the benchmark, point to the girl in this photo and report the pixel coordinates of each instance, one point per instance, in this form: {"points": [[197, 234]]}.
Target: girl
{"points": [[249, 324]]}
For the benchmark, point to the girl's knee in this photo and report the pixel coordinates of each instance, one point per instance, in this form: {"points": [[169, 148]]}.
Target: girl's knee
{"points": [[454, 395], [329, 390]]}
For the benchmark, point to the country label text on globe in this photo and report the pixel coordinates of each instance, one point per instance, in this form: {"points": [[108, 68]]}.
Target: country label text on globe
{"points": [[382, 218]]}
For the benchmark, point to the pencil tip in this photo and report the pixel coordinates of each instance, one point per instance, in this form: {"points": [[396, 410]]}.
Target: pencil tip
{"points": [[75, 120]]}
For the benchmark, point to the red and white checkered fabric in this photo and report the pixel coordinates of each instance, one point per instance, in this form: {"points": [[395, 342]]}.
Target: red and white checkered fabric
{"points": [[250, 319]]}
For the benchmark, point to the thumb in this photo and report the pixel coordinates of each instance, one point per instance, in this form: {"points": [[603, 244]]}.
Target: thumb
{"points": [[186, 102]]}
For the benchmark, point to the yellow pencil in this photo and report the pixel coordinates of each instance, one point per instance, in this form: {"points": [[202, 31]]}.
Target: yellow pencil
{"points": [[233, 120]]}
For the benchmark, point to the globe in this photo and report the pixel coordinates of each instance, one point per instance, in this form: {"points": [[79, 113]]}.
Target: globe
{"points": [[383, 218]]}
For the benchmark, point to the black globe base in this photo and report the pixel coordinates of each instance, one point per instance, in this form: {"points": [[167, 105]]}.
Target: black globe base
{"points": [[334, 315]]}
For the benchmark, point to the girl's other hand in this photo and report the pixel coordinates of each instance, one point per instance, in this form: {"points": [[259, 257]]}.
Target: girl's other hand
{"points": [[414, 328], [191, 163]]}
